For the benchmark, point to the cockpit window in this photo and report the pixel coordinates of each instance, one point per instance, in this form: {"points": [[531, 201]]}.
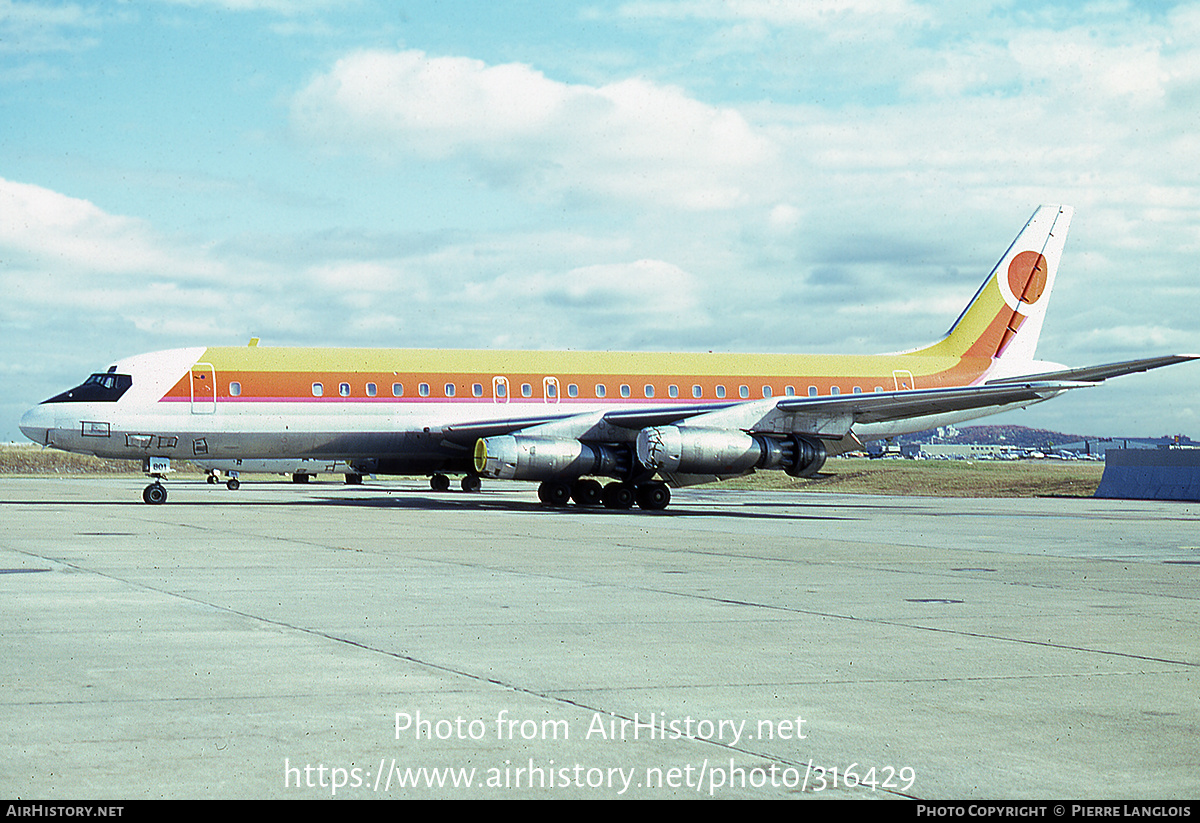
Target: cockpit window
{"points": [[99, 388], [108, 382]]}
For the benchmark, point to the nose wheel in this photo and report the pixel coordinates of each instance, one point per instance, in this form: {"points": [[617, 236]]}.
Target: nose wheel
{"points": [[156, 468], [155, 494]]}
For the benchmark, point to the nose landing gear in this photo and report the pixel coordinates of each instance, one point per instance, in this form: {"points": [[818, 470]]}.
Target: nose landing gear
{"points": [[155, 493], [157, 468]]}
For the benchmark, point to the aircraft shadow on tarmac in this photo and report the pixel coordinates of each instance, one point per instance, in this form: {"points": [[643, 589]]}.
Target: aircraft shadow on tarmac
{"points": [[478, 502], [194, 495]]}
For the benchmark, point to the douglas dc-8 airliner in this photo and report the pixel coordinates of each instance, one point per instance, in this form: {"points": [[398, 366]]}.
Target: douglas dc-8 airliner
{"points": [[644, 421]]}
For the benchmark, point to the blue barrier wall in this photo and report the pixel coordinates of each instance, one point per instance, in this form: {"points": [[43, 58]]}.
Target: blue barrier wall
{"points": [[1151, 474]]}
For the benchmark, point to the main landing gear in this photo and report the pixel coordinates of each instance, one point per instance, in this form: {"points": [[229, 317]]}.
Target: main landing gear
{"points": [[585, 492], [469, 483], [652, 496], [232, 483]]}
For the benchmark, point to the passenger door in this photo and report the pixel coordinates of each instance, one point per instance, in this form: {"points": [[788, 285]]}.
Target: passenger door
{"points": [[204, 389]]}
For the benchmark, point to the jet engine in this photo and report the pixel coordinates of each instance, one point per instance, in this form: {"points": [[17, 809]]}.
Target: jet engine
{"points": [[522, 457], [686, 450]]}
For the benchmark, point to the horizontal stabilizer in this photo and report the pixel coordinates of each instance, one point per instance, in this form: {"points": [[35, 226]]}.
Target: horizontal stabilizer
{"points": [[1095, 374]]}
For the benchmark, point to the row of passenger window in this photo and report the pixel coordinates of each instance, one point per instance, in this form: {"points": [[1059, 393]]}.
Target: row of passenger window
{"points": [[550, 390]]}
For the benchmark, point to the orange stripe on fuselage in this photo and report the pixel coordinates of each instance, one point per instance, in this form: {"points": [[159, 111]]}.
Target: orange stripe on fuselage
{"points": [[276, 378]]}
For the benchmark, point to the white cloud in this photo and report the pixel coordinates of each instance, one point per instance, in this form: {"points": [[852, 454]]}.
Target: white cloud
{"points": [[33, 27], [631, 139], [784, 219], [1128, 72], [652, 294], [286, 7], [76, 272], [1146, 338], [780, 12], [74, 268], [758, 175], [68, 233]]}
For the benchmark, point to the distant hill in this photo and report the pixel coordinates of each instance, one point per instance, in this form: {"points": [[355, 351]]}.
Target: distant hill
{"points": [[1027, 438]]}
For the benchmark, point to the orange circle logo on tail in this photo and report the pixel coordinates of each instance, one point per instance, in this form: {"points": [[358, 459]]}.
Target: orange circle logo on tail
{"points": [[1026, 279]]}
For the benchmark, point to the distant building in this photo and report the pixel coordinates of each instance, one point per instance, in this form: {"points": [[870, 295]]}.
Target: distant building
{"points": [[964, 451]]}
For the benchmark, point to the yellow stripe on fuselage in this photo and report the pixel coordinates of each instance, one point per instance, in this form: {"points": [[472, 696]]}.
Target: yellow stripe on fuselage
{"points": [[286, 372], [489, 362]]}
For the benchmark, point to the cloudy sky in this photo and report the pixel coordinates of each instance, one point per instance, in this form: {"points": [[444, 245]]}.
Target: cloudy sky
{"points": [[727, 175]]}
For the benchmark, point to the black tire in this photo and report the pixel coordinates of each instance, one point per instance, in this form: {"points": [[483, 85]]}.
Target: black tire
{"points": [[232, 484], [554, 493], [587, 492], [653, 496], [618, 496], [155, 494], [471, 483], [439, 483]]}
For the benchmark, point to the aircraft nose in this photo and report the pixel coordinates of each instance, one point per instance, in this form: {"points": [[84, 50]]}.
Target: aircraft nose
{"points": [[36, 424]]}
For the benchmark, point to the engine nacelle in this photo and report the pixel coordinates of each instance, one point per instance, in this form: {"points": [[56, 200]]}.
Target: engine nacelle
{"points": [[807, 457], [521, 457], [672, 449]]}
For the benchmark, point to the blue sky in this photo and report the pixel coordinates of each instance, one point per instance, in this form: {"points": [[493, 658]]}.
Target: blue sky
{"points": [[747, 175]]}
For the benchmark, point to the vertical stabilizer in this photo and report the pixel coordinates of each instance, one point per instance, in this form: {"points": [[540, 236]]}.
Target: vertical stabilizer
{"points": [[1005, 318]]}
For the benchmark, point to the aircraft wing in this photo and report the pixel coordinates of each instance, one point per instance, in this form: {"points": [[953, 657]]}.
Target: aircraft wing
{"points": [[1095, 374], [832, 417], [585, 426], [826, 417], [465, 434], [829, 417]]}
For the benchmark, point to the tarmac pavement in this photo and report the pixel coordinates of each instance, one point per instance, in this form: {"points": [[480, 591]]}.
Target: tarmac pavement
{"points": [[285, 641]]}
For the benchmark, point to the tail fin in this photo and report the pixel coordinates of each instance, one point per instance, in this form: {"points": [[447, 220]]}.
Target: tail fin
{"points": [[1005, 317]]}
